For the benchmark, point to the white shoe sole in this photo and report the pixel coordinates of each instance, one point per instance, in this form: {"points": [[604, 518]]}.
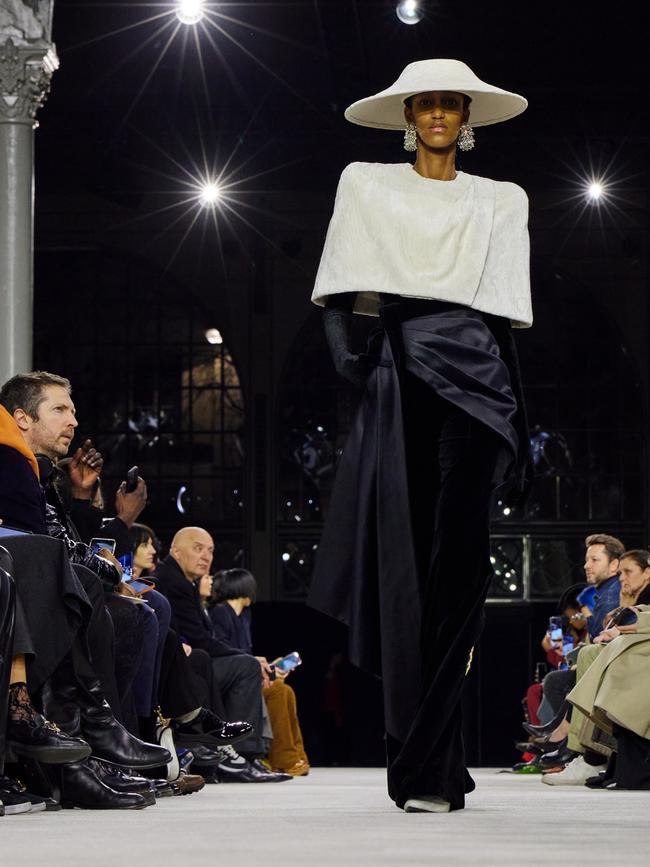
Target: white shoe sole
{"points": [[548, 779], [427, 805], [14, 809]]}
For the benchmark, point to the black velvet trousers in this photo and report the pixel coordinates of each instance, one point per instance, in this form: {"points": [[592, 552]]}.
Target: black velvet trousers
{"points": [[451, 458]]}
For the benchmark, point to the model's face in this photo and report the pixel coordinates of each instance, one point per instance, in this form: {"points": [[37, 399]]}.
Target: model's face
{"points": [[598, 566], [145, 555], [52, 432], [633, 578], [438, 116], [193, 552]]}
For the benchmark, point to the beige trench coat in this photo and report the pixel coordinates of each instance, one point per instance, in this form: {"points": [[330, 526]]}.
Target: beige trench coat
{"points": [[616, 687]]}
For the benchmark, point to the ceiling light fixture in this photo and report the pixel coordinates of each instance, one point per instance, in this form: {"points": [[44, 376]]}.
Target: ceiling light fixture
{"points": [[409, 11]]}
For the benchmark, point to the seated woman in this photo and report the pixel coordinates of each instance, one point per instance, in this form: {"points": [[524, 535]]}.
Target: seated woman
{"points": [[233, 593], [586, 759], [614, 695]]}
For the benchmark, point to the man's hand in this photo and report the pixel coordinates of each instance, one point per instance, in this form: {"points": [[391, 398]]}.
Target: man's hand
{"points": [[84, 469], [607, 635], [578, 621], [266, 671], [105, 554], [129, 506]]}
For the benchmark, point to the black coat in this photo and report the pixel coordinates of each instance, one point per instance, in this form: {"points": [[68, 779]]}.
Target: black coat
{"points": [[188, 617], [23, 506]]}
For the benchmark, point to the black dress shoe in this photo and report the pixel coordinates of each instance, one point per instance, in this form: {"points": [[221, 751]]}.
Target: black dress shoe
{"points": [[209, 730], [260, 767], [204, 756], [558, 757], [120, 781], [81, 787]]}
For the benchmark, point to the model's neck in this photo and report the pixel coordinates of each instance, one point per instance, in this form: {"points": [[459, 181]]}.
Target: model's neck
{"points": [[136, 571], [437, 165]]}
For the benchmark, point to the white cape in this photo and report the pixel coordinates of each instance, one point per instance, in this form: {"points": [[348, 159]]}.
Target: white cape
{"points": [[395, 232]]}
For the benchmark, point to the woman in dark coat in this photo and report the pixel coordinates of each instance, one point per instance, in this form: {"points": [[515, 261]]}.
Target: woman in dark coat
{"points": [[441, 257]]}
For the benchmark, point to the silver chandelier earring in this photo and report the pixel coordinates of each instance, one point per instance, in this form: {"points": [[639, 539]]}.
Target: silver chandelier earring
{"points": [[466, 139], [410, 137]]}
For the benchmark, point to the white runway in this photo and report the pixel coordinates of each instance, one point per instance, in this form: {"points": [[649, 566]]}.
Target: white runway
{"points": [[339, 817]]}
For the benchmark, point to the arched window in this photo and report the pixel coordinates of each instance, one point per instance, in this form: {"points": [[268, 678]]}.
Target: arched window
{"points": [[149, 388], [583, 395]]}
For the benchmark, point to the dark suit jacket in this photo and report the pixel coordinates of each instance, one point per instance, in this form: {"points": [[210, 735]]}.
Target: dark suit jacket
{"points": [[188, 616]]}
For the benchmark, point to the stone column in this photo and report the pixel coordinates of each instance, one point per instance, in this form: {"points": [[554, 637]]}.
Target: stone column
{"points": [[26, 67]]}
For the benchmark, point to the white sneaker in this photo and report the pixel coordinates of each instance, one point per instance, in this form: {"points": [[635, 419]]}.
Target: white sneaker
{"points": [[576, 773], [427, 804]]}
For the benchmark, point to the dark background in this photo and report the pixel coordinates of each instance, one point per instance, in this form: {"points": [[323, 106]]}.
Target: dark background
{"points": [[244, 436]]}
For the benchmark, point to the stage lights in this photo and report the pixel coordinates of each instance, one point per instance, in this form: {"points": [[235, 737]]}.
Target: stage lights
{"points": [[409, 11], [190, 11], [595, 191], [209, 194]]}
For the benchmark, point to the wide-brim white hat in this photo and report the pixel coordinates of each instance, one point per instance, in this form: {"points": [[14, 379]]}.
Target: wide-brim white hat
{"points": [[385, 110]]}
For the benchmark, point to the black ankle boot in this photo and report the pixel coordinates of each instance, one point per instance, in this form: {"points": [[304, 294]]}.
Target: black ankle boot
{"points": [[74, 697], [31, 736], [549, 727], [81, 787]]}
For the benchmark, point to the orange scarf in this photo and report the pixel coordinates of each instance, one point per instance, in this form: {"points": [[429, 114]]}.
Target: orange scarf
{"points": [[11, 436]]}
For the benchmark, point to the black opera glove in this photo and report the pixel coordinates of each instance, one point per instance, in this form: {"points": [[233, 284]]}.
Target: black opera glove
{"points": [[355, 368]]}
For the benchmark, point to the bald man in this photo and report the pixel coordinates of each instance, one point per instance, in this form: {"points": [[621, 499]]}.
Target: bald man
{"points": [[237, 676]]}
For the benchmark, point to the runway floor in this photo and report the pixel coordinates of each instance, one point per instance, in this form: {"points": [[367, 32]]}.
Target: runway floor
{"points": [[339, 817]]}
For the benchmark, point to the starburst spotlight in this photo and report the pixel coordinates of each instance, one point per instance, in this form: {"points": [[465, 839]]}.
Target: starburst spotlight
{"points": [[190, 11], [409, 11], [209, 194], [595, 191]]}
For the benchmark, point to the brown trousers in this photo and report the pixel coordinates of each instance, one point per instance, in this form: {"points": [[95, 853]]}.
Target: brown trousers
{"points": [[287, 747]]}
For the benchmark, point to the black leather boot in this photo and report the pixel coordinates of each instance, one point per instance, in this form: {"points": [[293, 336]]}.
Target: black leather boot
{"points": [[548, 728], [74, 699], [81, 787]]}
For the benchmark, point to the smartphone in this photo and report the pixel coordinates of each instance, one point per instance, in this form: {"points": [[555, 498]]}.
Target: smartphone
{"points": [[140, 586], [287, 663], [555, 628], [132, 480], [97, 543], [126, 561]]}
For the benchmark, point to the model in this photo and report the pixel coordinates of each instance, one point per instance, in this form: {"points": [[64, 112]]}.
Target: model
{"points": [[442, 257]]}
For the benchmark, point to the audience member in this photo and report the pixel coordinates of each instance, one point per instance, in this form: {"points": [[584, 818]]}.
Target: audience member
{"points": [[585, 758], [238, 677], [233, 593]]}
